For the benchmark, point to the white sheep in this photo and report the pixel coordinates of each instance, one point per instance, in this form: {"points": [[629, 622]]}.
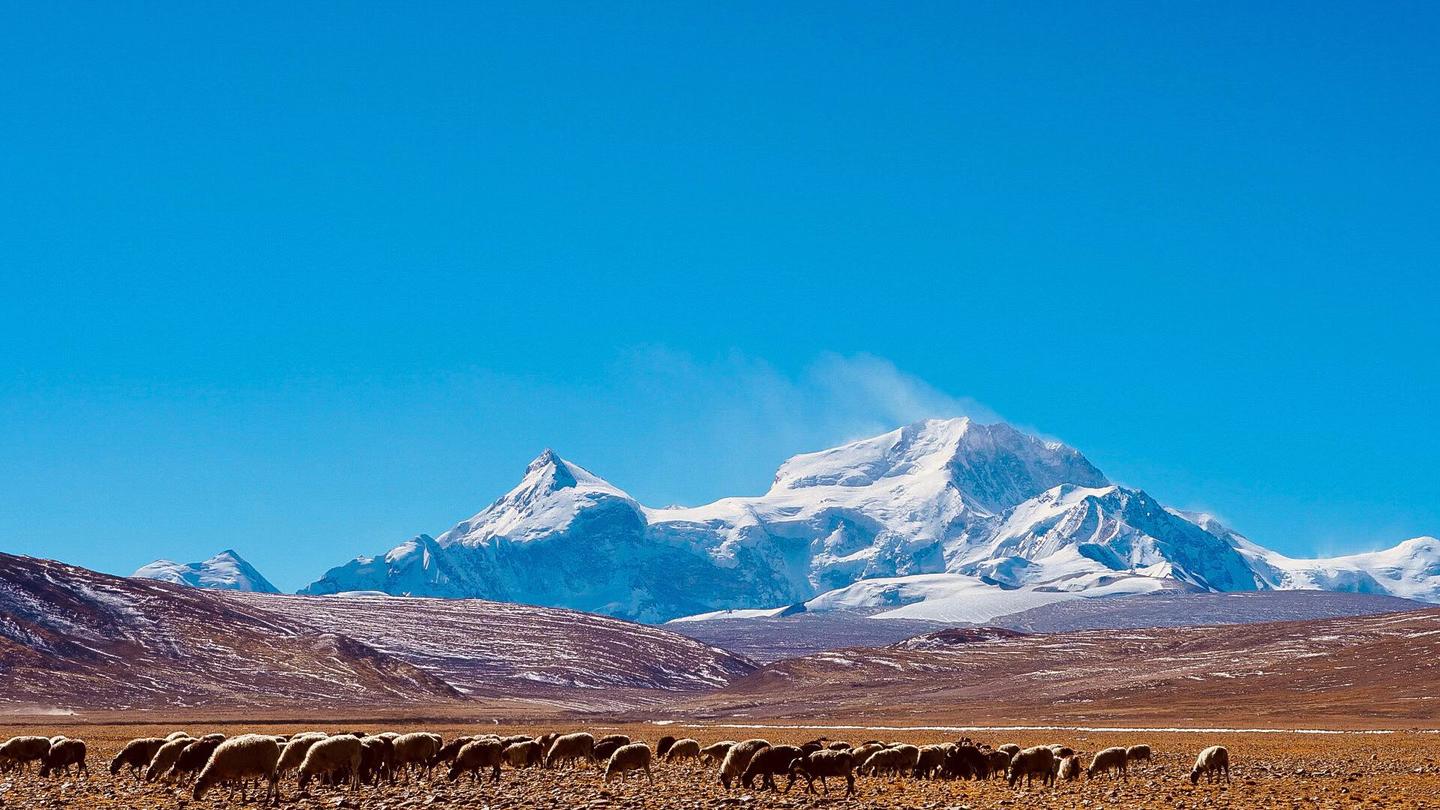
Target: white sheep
{"points": [[569, 747], [737, 759], [1031, 761], [476, 756], [332, 756], [166, 757], [631, 757], [715, 752], [1107, 760], [19, 752], [1211, 761], [237, 761], [63, 754], [522, 754], [683, 749], [293, 754], [897, 761], [416, 750]]}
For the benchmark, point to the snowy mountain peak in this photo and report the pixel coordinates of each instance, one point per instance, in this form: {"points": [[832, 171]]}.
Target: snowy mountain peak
{"points": [[225, 571]]}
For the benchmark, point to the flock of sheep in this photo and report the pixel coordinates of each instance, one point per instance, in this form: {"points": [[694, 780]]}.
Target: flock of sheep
{"points": [[346, 761]]}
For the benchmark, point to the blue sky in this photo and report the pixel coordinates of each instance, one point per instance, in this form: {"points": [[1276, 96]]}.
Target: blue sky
{"points": [[304, 281]]}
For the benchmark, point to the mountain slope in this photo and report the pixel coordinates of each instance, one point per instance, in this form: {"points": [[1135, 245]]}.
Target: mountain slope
{"points": [[967, 517], [75, 639], [225, 571], [1377, 670]]}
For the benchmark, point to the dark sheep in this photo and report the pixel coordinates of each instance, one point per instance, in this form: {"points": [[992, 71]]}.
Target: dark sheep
{"points": [[768, 762], [822, 764]]}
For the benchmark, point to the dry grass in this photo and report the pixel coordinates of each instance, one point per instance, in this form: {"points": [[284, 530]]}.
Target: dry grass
{"points": [[1285, 770]]}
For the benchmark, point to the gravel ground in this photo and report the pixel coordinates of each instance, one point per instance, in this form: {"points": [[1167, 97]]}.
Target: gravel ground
{"points": [[1280, 770]]}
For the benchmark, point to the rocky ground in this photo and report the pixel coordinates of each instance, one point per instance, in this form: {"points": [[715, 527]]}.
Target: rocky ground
{"points": [[1285, 770]]}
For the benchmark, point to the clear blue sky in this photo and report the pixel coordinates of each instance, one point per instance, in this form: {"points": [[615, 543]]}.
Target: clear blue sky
{"points": [[306, 279]]}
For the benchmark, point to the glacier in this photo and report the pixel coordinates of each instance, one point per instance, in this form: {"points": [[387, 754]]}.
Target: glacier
{"points": [[945, 519]]}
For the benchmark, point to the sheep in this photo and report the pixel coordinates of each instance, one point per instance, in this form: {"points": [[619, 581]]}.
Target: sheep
{"points": [[166, 757], [136, 755], [1061, 751], [864, 751], [506, 742], [768, 762], [569, 747], [822, 764], [1110, 759], [19, 752], [683, 749], [998, 762], [449, 751], [609, 744], [523, 754], [292, 754], [1009, 748], [1030, 762], [238, 760], [1213, 760], [475, 756], [377, 759], [176, 735], [63, 754], [715, 752], [192, 758], [332, 756], [627, 758], [662, 746], [895, 761], [965, 761], [1069, 768], [1135, 753], [416, 750], [737, 759], [932, 758], [839, 745]]}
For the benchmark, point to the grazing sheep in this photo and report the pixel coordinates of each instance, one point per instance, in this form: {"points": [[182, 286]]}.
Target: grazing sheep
{"points": [[570, 747], [392, 736], [63, 754], [19, 752], [176, 735], [377, 759], [239, 760], [334, 757], [998, 762], [609, 744], [166, 757], [292, 754], [768, 762], [1069, 768], [627, 758], [864, 751], [1009, 748], [506, 742], [192, 759], [450, 750], [737, 759], [136, 755], [475, 756], [932, 759], [1061, 751], [683, 749], [415, 750], [523, 754], [1213, 760], [662, 746], [895, 761], [715, 753], [1136, 753], [839, 745], [965, 761], [1031, 762], [822, 764], [1108, 760]]}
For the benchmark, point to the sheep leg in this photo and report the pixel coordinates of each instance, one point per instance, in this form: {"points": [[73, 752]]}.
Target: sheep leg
{"points": [[648, 776], [849, 785]]}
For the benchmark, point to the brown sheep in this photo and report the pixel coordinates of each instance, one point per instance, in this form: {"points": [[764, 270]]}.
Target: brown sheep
{"points": [[377, 760], [19, 752], [475, 757], [1069, 768], [662, 746], [896, 761], [932, 759], [191, 760], [570, 747], [1137, 753], [609, 744], [822, 764], [768, 762], [683, 749], [715, 752], [136, 755], [64, 754], [965, 761], [1030, 762], [1213, 760]]}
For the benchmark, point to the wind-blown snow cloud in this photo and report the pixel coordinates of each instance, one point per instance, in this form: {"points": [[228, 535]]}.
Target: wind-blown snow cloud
{"points": [[736, 415]]}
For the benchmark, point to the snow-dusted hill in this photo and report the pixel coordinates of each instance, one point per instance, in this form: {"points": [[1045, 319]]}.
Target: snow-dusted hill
{"points": [[226, 571], [944, 519]]}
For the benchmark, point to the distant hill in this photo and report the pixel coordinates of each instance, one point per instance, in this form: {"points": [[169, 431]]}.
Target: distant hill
{"points": [[226, 571]]}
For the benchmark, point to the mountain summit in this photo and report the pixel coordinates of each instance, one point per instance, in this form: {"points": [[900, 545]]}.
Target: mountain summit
{"points": [[226, 571], [946, 519]]}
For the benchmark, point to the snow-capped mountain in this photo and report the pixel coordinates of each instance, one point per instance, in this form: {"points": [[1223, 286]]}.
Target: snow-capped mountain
{"points": [[226, 571], [963, 517]]}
